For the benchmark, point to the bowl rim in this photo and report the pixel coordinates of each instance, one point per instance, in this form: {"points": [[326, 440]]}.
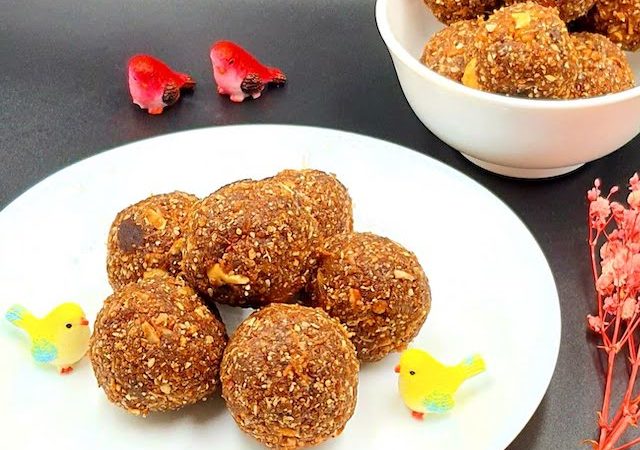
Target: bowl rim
{"points": [[398, 50]]}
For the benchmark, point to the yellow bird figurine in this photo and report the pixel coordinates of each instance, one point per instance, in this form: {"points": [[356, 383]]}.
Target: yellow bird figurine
{"points": [[428, 386], [61, 338]]}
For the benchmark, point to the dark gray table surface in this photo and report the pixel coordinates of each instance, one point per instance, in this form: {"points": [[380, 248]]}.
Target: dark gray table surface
{"points": [[64, 98]]}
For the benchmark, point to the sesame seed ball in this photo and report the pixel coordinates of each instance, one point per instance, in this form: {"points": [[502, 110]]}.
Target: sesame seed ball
{"points": [[523, 50], [147, 235], [249, 243], [376, 288], [448, 51], [604, 68], [324, 197], [156, 346], [568, 9], [619, 20], [289, 376], [450, 11]]}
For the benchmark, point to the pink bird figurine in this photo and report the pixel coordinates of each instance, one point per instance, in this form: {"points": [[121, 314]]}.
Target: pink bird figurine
{"points": [[238, 74], [154, 85]]}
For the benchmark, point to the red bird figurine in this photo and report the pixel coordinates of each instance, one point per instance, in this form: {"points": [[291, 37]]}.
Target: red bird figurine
{"points": [[154, 85], [238, 74]]}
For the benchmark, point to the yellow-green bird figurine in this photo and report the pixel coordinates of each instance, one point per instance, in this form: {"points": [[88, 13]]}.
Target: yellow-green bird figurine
{"points": [[61, 338], [428, 386]]}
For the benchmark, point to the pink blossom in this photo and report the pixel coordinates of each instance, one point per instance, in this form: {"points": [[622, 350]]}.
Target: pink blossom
{"points": [[628, 308], [595, 323], [610, 305], [593, 194], [634, 182], [599, 211], [634, 199], [618, 211]]}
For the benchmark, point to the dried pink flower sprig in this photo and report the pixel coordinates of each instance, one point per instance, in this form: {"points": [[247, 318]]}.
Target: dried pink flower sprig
{"points": [[616, 275]]}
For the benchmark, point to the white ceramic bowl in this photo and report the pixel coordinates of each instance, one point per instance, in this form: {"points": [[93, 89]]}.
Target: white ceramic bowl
{"points": [[511, 136]]}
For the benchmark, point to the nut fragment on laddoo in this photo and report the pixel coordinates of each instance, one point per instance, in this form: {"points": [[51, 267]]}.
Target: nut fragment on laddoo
{"points": [[249, 243], [450, 11], [604, 68], [376, 288], [147, 235], [448, 51], [289, 376], [156, 346], [567, 9], [619, 20], [523, 50], [324, 197]]}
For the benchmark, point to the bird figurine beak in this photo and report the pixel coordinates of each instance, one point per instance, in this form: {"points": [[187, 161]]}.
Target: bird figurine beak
{"points": [[397, 369], [84, 322]]}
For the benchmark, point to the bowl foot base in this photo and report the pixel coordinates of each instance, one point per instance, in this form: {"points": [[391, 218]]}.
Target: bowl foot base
{"points": [[517, 172]]}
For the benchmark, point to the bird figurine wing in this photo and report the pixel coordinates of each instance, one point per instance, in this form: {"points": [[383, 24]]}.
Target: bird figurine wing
{"points": [[43, 351], [438, 402]]}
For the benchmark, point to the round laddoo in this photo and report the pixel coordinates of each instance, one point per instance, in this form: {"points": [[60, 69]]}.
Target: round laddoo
{"points": [[289, 376], [450, 11], [604, 68], [619, 20], [448, 51], [324, 197], [376, 288], [249, 243], [568, 9], [523, 50], [147, 235], [156, 346]]}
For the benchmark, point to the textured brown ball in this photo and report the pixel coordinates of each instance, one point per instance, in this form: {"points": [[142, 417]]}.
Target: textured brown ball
{"points": [[156, 346], [289, 376], [523, 50], [376, 288], [450, 11], [568, 9], [604, 68], [324, 197], [449, 50], [619, 20], [147, 235], [249, 243]]}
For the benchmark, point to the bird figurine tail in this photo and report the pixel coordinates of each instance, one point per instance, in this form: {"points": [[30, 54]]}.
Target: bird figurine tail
{"points": [[471, 366], [277, 76], [20, 317]]}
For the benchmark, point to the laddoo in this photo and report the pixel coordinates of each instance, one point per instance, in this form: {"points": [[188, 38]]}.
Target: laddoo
{"points": [[376, 288], [156, 346], [450, 11], [289, 376], [567, 9], [250, 243], [604, 68], [448, 51], [147, 235], [619, 20], [523, 50], [324, 197]]}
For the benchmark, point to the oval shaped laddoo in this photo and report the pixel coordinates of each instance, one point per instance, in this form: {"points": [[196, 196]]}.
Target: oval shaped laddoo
{"points": [[289, 376], [568, 9], [604, 68], [147, 235], [324, 197], [156, 346], [249, 243], [449, 50], [450, 11], [619, 20], [376, 288], [523, 50]]}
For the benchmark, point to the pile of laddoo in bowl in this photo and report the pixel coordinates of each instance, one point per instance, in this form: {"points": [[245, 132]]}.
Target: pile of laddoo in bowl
{"points": [[526, 49], [326, 297]]}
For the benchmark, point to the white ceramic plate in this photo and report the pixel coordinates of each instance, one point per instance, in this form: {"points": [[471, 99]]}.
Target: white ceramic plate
{"points": [[493, 292]]}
